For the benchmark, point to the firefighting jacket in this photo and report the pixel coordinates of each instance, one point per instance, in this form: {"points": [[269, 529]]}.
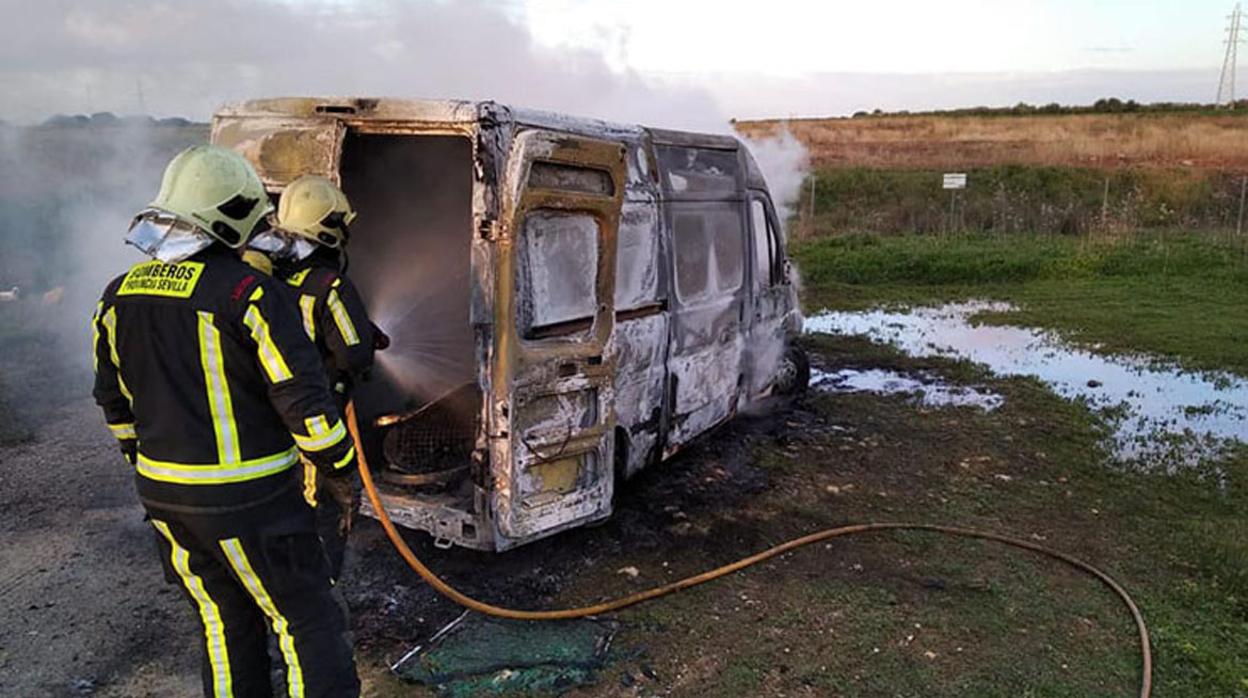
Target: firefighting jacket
{"points": [[334, 318], [206, 364]]}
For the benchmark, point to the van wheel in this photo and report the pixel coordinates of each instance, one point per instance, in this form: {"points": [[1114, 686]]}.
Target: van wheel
{"points": [[793, 374]]}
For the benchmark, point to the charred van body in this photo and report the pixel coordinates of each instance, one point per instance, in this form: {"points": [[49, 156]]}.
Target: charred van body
{"points": [[569, 300]]}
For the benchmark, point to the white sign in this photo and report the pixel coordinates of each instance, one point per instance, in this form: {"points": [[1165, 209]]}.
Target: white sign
{"points": [[955, 180]]}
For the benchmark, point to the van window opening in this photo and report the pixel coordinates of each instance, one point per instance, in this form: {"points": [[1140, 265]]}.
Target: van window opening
{"points": [[698, 170], [764, 244], [637, 257], [554, 175], [557, 273], [709, 252]]}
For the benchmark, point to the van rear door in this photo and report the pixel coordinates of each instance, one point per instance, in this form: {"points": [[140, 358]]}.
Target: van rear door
{"points": [[552, 403]]}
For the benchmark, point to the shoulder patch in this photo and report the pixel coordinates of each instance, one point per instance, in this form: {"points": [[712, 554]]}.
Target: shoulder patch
{"points": [[156, 278], [298, 277], [244, 284]]}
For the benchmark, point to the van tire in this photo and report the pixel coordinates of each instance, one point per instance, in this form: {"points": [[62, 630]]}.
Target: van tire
{"points": [[793, 374]]}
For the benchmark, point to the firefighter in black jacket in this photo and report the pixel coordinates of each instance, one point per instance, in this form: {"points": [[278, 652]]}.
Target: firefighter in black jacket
{"points": [[307, 249], [214, 392]]}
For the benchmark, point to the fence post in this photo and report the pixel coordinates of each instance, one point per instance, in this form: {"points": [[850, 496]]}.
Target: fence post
{"points": [[953, 197], [1105, 206], [813, 176], [1239, 220]]}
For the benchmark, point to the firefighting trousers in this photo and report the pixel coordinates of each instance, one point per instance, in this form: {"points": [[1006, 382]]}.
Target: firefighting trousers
{"points": [[252, 574], [328, 526]]}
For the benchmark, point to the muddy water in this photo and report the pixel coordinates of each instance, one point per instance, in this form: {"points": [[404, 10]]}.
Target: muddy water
{"points": [[1161, 416]]}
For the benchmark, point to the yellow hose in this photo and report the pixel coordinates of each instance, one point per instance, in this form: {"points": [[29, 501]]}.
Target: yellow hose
{"points": [[366, 475]]}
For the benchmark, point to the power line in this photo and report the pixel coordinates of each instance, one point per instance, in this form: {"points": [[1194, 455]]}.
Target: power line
{"points": [[1226, 84]]}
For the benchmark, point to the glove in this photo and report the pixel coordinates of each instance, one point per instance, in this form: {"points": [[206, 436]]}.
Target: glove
{"points": [[342, 489], [381, 340], [130, 449]]}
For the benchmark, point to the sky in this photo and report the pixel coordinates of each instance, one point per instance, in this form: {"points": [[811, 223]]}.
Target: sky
{"points": [[671, 62]]}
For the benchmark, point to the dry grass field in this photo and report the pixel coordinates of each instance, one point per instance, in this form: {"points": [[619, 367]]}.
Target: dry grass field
{"points": [[1168, 140]]}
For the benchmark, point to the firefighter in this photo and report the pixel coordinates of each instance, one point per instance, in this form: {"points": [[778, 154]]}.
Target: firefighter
{"points": [[307, 248], [214, 393]]}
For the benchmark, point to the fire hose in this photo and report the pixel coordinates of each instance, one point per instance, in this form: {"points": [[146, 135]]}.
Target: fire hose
{"points": [[392, 532]]}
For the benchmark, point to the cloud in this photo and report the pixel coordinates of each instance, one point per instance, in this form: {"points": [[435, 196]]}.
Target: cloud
{"points": [[186, 58]]}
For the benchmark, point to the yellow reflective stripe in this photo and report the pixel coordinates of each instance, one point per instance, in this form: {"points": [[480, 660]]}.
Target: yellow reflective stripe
{"points": [[95, 337], [219, 402], [272, 360], [309, 482], [256, 294], [297, 278], [216, 473], [320, 435], [308, 304], [342, 319], [317, 425], [214, 629], [123, 431], [110, 325], [345, 460], [281, 627]]}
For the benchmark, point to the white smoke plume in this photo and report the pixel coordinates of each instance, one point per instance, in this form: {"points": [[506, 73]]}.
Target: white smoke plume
{"points": [[784, 162]]}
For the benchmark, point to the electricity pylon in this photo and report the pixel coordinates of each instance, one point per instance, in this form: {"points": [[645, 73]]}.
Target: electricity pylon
{"points": [[1226, 85]]}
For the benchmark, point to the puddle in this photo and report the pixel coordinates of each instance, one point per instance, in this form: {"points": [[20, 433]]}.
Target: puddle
{"points": [[1161, 416], [929, 390]]}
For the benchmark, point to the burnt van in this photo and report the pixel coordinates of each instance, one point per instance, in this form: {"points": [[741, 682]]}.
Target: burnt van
{"points": [[569, 300]]}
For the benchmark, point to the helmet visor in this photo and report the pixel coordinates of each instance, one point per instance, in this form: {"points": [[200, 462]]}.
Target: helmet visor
{"points": [[166, 237], [337, 220], [281, 247]]}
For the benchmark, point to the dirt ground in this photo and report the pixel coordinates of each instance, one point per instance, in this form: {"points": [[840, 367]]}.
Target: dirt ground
{"points": [[84, 609]]}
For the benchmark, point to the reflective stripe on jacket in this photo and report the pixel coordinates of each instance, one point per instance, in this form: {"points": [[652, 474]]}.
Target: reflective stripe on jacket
{"points": [[334, 317]]}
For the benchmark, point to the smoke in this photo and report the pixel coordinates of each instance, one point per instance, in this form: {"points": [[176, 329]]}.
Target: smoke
{"points": [[784, 161], [67, 195]]}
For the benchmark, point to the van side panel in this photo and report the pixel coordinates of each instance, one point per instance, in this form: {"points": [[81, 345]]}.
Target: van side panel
{"points": [[639, 344], [703, 211]]}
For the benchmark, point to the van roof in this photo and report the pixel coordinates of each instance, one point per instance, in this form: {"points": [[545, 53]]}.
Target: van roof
{"points": [[446, 111]]}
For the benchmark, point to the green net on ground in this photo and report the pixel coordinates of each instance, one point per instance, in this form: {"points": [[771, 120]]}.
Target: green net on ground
{"points": [[478, 655]]}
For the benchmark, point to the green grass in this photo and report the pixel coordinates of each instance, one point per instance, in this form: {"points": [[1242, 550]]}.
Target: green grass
{"points": [[1021, 198], [1178, 296], [1179, 541]]}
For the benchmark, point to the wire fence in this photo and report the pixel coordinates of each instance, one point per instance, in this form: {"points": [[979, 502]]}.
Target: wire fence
{"points": [[1091, 203]]}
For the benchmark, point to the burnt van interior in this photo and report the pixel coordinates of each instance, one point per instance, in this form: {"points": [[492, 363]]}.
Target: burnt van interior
{"points": [[410, 258]]}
